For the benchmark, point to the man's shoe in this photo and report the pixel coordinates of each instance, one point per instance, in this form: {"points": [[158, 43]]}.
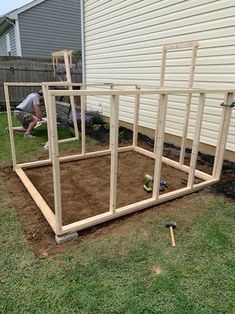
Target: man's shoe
{"points": [[28, 136]]}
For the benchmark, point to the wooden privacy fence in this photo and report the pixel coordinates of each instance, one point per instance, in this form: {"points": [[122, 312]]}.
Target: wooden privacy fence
{"points": [[30, 70]]}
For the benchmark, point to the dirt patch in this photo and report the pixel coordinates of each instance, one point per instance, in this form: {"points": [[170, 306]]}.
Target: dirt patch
{"points": [[85, 184], [85, 192], [225, 187]]}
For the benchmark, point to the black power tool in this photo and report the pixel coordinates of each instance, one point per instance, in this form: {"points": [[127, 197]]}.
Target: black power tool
{"points": [[148, 184]]}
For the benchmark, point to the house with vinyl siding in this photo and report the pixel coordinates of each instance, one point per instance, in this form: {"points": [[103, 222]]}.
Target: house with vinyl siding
{"points": [[41, 27], [123, 44]]}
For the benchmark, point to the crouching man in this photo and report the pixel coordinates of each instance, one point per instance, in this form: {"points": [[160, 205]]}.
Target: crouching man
{"points": [[28, 112]]}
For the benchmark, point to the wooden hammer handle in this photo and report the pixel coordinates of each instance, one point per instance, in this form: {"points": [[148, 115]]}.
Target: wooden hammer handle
{"points": [[172, 236]]}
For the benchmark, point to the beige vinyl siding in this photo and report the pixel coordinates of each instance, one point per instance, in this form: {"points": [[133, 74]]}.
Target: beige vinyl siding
{"points": [[123, 43]]}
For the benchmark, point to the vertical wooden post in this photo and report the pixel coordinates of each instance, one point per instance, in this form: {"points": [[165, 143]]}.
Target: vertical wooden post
{"points": [[55, 164], [67, 66], [188, 104], [53, 62], [222, 136], [70, 58], [46, 101], [163, 67], [111, 87], [195, 147], [69, 79], [56, 62], [158, 143], [136, 119], [83, 125], [9, 118], [114, 150]]}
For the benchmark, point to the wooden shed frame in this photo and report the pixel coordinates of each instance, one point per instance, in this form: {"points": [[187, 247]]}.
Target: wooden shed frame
{"points": [[67, 56], [116, 90]]}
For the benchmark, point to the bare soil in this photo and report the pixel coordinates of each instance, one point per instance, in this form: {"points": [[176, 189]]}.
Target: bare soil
{"points": [[85, 193]]}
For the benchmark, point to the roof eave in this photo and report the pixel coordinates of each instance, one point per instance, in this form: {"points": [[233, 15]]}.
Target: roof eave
{"points": [[14, 13], [5, 24]]}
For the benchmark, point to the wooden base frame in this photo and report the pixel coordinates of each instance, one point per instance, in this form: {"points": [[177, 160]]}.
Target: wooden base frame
{"points": [[115, 91], [55, 218]]}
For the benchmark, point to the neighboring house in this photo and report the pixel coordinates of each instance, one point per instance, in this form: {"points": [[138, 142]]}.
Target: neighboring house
{"points": [[123, 43], [41, 27]]}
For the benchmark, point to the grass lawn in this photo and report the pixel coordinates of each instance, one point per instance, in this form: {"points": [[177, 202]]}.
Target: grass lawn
{"points": [[131, 270]]}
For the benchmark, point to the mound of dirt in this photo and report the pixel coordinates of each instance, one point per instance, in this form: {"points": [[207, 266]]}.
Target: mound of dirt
{"points": [[225, 187]]}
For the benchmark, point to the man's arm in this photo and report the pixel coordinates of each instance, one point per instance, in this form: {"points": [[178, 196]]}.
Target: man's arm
{"points": [[38, 113]]}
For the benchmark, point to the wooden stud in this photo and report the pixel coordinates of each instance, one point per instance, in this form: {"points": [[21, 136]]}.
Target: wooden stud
{"points": [[46, 101], [83, 101], [67, 67], [222, 136], [111, 88], [54, 69], [188, 103], [114, 151], [10, 126], [55, 164], [92, 221], [182, 45], [163, 67], [72, 101], [83, 125], [174, 164], [46, 162], [158, 144], [38, 199], [195, 146], [136, 119], [128, 92]]}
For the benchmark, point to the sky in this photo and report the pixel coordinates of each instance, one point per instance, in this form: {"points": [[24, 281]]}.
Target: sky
{"points": [[9, 5]]}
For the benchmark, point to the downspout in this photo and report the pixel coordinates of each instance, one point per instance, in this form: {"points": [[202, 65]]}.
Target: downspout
{"points": [[17, 35], [82, 41]]}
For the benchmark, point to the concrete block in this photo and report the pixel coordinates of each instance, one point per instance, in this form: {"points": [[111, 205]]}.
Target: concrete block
{"points": [[60, 239]]}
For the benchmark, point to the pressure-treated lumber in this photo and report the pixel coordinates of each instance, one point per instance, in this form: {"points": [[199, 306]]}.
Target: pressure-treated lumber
{"points": [[92, 221], [197, 132], [163, 67], [55, 220], [182, 45], [61, 53], [55, 164], [223, 134], [10, 127], [128, 92], [47, 162], [46, 101], [158, 144], [199, 174], [136, 119], [188, 103], [38, 199], [114, 151], [194, 46], [83, 125]]}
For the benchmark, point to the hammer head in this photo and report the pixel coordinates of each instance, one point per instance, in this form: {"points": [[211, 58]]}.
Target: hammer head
{"points": [[169, 224]]}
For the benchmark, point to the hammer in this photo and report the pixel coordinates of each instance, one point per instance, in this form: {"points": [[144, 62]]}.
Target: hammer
{"points": [[171, 225]]}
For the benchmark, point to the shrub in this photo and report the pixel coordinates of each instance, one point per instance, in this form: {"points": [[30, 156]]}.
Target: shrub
{"points": [[91, 118]]}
